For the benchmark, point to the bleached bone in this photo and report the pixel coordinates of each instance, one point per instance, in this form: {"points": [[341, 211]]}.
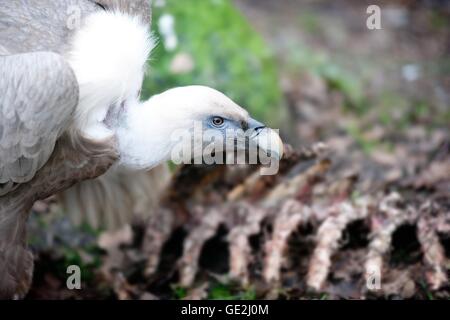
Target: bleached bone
{"points": [[286, 222], [433, 252], [193, 245], [158, 230], [238, 238], [328, 236], [383, 227]]}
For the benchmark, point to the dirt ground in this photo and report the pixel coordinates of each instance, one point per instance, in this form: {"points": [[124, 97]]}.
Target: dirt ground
{"points": [[360, 207]]}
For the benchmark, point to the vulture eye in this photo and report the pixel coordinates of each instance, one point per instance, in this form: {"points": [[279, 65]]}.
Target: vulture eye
{"points": [[218, 121]]}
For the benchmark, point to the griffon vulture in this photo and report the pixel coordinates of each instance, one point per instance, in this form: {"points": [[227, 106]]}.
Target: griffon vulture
{"points": [[70, 111]]}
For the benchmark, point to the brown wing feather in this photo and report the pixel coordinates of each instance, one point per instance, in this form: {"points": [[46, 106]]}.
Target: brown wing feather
{"points": [[115, 198], [73, 160]]}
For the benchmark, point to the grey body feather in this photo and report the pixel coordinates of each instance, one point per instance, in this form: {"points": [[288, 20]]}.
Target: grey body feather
{"points": [[38, 158], [39, 25], [47, 25], [32, 117]]}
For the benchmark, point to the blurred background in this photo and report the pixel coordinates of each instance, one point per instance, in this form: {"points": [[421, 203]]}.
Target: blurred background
{"points": [[379, 100]]}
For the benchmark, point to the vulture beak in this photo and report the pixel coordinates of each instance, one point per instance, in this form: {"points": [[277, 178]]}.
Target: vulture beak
{"points": [[266, 139]]}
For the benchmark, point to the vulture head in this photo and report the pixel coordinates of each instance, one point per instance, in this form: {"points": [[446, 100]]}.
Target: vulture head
{"points": [[179, 118]]}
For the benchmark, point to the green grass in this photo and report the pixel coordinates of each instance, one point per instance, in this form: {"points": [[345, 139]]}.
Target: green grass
{"points": [[179, 292], [228, 292], [428, 293], [365, 144], [219, 291]]}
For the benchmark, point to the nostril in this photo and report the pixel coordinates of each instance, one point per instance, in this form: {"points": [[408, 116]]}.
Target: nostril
{"points": [[259, 129], [255, 125]]}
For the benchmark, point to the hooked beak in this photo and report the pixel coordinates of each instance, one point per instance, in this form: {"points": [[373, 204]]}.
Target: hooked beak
{"points": [[266, 139]]}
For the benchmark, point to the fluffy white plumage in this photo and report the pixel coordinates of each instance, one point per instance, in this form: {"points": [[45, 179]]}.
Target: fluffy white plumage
{"points": [[145, 140], [108, 55]]}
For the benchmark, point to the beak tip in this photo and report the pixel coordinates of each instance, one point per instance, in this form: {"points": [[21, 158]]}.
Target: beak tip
{"points": [[270, 142], [280, 149]]}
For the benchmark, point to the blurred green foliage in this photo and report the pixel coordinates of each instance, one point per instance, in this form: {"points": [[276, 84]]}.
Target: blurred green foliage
{"points": [[179, 292], [227, 54], [302, 59], [221, 291]]}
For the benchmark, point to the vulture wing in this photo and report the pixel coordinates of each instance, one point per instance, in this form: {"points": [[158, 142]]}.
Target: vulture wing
{"points": [[36, 25], [28, 138], [38, 95], [116, 198]]}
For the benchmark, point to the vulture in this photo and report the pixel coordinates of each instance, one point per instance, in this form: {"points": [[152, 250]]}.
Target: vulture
{"points": [[72, 121]]}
